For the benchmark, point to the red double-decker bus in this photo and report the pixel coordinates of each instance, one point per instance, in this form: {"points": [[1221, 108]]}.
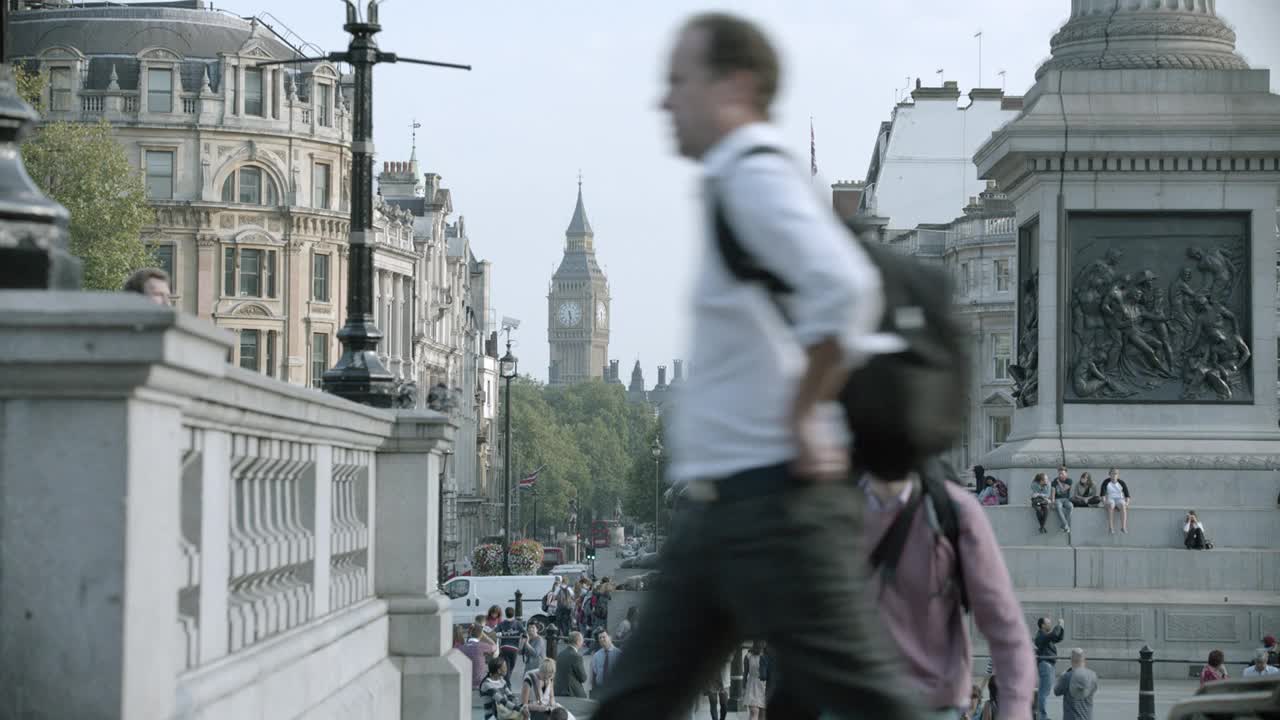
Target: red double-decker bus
{"points": [[600, 533]]}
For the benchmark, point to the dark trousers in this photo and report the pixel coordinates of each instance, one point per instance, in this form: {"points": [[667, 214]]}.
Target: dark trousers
{"points": [[509, 656], [782, 564], [1195, 539], [719, 704], [1091, 501], [1042, 511]]}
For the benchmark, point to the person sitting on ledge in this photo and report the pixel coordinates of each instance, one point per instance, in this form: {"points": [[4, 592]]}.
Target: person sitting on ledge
{"points": [[1041, 499], [990, 494], [1115, 494], [1193, 533], [1085, 493], [1260, 668]]}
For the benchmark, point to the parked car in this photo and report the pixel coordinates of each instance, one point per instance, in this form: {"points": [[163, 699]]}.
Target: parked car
{"points": [[471, 596]]}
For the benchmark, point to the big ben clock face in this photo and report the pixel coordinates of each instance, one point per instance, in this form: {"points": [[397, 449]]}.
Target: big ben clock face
{"points": [[601, 314], [570, 314]]}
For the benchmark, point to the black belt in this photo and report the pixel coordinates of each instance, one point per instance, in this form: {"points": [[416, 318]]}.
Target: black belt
{"points": [[745, 485]]}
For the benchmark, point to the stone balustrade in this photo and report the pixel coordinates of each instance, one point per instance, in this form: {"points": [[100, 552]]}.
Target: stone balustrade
{"points": [[297, 532]]}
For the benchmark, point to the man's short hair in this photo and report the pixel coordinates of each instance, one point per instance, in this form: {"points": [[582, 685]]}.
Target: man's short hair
{"points": [[1260, 655], [575, 637], [1041, 622], [137, 282], [736, 44], [477, 631], [1077, 654], [559, 713]]}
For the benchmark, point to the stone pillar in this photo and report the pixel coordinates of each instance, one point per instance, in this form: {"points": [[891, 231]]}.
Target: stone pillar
{"points": [[297, 308], [208, 278], [89, 505], [436, 681], [1144, 170]]}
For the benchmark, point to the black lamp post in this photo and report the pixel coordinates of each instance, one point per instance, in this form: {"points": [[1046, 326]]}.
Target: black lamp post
{"points": [[656, 449], [359, 374], [507, 370]]}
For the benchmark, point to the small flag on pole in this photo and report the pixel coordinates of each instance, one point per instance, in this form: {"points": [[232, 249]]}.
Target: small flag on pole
{"points": [[529, 480], [813, 151]]}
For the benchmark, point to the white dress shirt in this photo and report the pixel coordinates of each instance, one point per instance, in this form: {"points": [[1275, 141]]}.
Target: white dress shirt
{"points": [[746, 359]]}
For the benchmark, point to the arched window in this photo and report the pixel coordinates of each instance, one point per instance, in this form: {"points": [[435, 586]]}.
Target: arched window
{"points": [[250, 185]]}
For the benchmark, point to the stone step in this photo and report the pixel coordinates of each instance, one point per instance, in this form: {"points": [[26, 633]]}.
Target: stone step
{"points": [[1179, 625], [1153, 527], [1219, 488], [1222, 568]]}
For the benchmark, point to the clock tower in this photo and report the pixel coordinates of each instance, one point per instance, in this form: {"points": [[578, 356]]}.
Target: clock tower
{"points": [[578, 307]]}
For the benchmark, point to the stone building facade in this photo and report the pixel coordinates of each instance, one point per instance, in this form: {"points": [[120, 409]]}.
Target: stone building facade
{"points": [[248, 170]]}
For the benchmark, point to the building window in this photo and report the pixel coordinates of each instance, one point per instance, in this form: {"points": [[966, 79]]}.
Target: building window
{"points": [[250, 185], [319, 357], [163, 255], [253, 91], [159, 90], [999, 426], [60, 89], [159, 174], [1002, 275], [1001, 353], [249, 350], [320, 176], [964, 278], [271, 353], [324, 104], [320, 277], [235, 91], [249, 272]]}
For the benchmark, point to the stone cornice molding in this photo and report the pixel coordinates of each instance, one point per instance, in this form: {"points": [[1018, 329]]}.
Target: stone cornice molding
{"points": [[1159, 34]]}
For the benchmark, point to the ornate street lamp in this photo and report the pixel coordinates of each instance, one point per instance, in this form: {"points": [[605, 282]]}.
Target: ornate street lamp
{"points": [[507, 371], [360, 375], [656, 449]]}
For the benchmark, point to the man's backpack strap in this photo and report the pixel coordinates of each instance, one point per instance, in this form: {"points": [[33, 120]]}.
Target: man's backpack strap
{"points": [[739, 262], [942, 516], [942, 508]]}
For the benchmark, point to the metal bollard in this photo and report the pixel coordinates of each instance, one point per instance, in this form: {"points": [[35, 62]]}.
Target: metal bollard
{"points": [[553, 637], [1146, 685], [519, 604]]}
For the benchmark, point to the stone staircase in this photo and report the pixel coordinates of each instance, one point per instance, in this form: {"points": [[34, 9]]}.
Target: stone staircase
{"points": [[1120, 592]]}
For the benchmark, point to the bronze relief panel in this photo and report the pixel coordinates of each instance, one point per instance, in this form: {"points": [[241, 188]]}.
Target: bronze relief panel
{"points": [[1159, 308]]}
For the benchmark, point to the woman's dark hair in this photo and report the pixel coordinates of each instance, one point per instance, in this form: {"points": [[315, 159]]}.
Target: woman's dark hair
{"points": [[1039, 477], [1086, 476], [1216, 658], [979, 472], [494, 611], [495, 665], [632, 612]]}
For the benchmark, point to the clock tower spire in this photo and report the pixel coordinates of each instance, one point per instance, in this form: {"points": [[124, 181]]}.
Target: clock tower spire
{"points": [[578, 306]]}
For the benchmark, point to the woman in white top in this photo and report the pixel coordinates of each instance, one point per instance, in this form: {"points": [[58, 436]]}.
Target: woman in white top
{"points": [[539, 693]]}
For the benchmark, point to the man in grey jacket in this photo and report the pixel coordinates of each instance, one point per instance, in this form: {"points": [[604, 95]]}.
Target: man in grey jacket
{"points": [[1077, 686], [571, 669]]}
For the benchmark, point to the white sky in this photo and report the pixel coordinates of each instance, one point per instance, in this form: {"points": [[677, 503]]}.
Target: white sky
{"points": [[563, 85]]}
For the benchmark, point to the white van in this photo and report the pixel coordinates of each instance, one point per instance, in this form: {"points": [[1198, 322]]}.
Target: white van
{"points": [[472, 596]]}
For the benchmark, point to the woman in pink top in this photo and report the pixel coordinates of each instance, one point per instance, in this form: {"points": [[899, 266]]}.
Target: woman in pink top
{"points": [[1215, 670]]}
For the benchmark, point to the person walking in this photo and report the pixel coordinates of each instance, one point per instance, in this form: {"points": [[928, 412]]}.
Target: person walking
{"points": [[1215, 669], [1062, 498], [718, 694], [510, 632], [603, 662], [571, 668], [1041, 499], [1260, 668], [1047, 639], [763, 535], [753, 680], [1076, 687]]}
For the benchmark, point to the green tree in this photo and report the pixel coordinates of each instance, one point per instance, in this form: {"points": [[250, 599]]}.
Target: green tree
{"points": [[82, 167]]}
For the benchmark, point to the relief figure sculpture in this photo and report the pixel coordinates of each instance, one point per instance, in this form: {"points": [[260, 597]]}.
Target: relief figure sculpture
{"points": [[1130, 335], [1025, 372]]}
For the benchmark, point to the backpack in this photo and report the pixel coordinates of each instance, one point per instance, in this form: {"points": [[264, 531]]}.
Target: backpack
{"points": [[600, 610], [915, 397], [546, 601], [944, 518]]}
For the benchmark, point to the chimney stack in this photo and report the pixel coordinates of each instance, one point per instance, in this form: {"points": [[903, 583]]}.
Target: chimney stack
{"points": [[662, 376], [679, 370]]}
